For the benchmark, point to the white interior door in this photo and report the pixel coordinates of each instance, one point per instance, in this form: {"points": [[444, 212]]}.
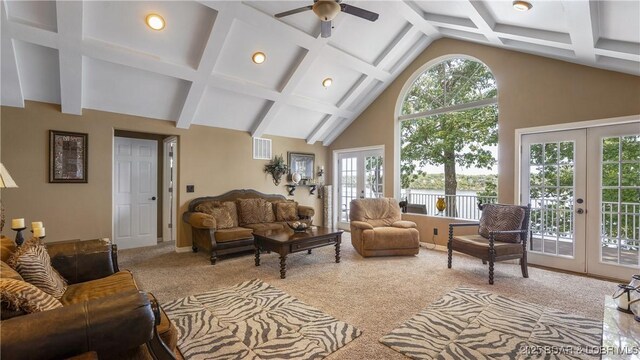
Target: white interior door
{"points": [[135, 192], [613, 235], [553, 181], [584, 190], [360, 175]]}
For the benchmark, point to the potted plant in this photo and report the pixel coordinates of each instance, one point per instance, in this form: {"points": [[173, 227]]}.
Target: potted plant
{"points": [[276, 167]]}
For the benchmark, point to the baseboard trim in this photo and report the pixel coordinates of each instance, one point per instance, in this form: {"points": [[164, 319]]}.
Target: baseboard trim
{"points": [[183, 249], [430, 246]]}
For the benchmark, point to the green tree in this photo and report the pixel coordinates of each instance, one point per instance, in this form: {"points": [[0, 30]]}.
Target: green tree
{"points": [[449, 138]]}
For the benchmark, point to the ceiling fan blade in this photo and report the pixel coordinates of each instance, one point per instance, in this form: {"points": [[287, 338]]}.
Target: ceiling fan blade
{"points": [[325, 29], [293, 11], [359, 12]]}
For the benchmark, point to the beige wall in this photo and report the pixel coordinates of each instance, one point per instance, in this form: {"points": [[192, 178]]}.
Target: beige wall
{"points": [[532, 91], [214, 160]]}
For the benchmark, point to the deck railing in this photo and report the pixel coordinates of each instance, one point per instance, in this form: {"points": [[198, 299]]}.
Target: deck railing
{"points": [[466, 205]]}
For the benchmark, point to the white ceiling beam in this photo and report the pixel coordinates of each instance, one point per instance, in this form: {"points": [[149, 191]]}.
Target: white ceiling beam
{"points": [[450, 22], [355, 63], [415, 16], [11, 87], [233, 84], [69, 18], [619, 49], [210, 55], [483, 20], [582, 19], [32, 34]]}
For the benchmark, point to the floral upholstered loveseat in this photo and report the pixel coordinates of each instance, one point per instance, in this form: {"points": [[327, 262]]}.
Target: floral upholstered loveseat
{"points": [[225, 224]]}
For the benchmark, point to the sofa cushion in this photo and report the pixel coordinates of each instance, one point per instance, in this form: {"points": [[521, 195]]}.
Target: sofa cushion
{"points": [[22, 296], [33, 263], [388, 238], [95, 289], [231, 234], [255, 211], [501, 217], [7, 248], [478, 246], [223, 218], [206, 207], [266, 226], [232, 208], [286, 211], [7, 272]]}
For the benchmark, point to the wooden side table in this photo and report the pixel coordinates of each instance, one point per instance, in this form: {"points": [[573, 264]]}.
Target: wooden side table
{"points": [[620, 332]]}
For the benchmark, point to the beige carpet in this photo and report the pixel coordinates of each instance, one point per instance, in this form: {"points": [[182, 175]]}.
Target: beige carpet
{"points": [[376, 295]]}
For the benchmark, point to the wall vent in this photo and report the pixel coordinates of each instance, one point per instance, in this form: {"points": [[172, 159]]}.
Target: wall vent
{"points": [[261, 149]]}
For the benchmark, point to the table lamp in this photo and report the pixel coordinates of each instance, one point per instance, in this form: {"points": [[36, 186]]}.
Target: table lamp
{"points": [[5, 182]]}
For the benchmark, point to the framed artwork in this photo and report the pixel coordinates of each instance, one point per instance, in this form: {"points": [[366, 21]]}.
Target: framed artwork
{"points": [[301, 163], [68, 157]]}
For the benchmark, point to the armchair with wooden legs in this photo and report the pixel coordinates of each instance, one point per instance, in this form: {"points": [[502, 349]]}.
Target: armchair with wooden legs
{"points": [[502, 235]]}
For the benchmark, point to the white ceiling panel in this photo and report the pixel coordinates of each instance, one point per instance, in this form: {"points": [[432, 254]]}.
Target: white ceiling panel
{"points": [[294, 122], [39, 72], [225, 109], [619, 20], [117, 88], [347, 36], [545, 15], [188, 25], [10, 91], [325, 67], [305, 21], [243, 41], [41, 14], [448, 8]]}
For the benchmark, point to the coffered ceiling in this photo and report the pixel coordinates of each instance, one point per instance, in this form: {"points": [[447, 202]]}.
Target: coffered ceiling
{"points": [[198, 69]]}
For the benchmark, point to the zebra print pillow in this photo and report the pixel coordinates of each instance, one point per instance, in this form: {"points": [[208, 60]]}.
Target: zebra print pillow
{"points": [[501, 217], [20, 295], [34, 265]]}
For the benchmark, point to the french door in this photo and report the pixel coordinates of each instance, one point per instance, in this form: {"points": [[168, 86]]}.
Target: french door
{"points": [[360, 175], [584, 190]]}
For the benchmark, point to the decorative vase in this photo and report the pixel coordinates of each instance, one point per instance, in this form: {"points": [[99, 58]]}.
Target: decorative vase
{"points": [[441, 204], [296, 177]]}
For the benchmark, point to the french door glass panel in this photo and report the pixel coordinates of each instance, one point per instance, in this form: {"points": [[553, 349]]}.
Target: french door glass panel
{"points": [[348, 184], [360, 175]]}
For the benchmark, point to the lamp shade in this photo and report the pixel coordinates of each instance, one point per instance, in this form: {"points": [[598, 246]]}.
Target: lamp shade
{"points": [[5, 179], [326, 10]]}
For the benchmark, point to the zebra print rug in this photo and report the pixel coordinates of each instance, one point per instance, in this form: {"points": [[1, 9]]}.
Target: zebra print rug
{"points": [[472, 324], [254, 320]]}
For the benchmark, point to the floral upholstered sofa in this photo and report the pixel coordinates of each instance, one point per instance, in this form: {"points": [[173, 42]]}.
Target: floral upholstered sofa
{"points": [[225, 224]]}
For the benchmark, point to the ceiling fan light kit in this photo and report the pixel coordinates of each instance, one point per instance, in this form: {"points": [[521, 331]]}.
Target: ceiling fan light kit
{"points": [[326, 10]]}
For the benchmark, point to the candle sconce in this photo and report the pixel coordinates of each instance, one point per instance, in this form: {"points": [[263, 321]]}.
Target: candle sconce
{"points": [[19, 237]]}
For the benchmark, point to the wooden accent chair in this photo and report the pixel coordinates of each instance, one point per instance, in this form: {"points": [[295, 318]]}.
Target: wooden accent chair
{"points": [[502, 235]]}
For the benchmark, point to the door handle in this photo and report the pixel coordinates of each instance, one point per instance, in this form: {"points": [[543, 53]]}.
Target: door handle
{"points": [[580, 211], [153, 198]]}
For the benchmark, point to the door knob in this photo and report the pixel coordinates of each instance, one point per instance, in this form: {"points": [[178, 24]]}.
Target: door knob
{"points": [[580, 211], [153, 198]]}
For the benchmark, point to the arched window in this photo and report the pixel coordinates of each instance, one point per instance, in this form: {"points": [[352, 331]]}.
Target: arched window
{"points": [[449, 137]]}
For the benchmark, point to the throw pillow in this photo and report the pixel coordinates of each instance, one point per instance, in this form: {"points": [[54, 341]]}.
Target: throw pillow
{"points": [[223, 218], [7, 272], [231, 207], [286, 211], [255, 211], [268, 216], [500, 217], [206, 207], [33, 263], [20, 295]]}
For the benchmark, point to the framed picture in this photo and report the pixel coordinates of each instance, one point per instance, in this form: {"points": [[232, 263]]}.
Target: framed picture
{"points": [[68, 157], [301, 163]]}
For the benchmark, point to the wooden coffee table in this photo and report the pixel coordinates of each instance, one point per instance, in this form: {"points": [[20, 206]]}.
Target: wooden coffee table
{"points": [[286, 242]]}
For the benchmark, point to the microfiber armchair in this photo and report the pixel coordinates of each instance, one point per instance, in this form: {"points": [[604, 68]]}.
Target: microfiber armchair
{"points": [[377, 229], [103, 313]]}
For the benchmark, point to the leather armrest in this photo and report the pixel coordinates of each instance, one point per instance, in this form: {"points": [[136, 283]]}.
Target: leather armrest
{"points": [[305, 212], [120, 321], [405, 224], [199, 220], [80, 261], [361, 225]]}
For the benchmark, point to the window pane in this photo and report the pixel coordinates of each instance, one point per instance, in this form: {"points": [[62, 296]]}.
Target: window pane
{"points": [[630, 174], [551, 153], [535, 151], [566, 152], [535, 175], [631, 148], [550, 175], [610, 174], [610, 148], [566, 175]]}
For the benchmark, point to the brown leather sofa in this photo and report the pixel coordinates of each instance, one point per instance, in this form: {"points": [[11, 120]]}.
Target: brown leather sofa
{"points": [[377, 229], [210, 237], [103, 311]]}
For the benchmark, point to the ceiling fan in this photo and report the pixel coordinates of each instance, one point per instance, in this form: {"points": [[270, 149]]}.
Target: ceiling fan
{"points": [[326, 10]]}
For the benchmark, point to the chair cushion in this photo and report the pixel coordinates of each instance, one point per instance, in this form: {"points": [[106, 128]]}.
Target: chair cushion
{"points": [[385, 238], [377, 212], [478, 246], [286, 211], [501, 217], [22, 296], [255, 211], [33, 263], [95, 289], [232, 234], [266, 226]]}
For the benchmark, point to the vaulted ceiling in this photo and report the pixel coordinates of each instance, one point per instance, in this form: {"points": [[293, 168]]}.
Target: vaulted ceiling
{"points": [[198, 69]]}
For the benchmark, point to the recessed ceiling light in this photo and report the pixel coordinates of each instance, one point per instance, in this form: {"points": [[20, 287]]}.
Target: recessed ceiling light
{"points": [[327, 82], [155, 21], [259, 57], [522, 5]]}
